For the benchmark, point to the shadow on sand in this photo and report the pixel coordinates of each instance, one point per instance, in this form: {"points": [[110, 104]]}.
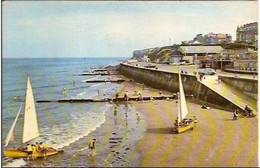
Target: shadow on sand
{"points": [[167, 130]]}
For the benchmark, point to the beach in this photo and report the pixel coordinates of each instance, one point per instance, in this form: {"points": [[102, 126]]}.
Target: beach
{"points": [[216, 141], [140, 133]]}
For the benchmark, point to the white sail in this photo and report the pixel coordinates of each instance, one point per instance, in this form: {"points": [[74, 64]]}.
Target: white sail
{"points": [[183, 110], [10, 135], [30, 124]]}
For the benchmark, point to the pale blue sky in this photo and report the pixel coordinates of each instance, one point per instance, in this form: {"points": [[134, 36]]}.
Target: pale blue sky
{"points": [[113, 29]]}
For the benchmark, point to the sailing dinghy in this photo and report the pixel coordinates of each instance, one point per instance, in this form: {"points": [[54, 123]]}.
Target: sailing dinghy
{"points": [[30, 129], [183, 124]]}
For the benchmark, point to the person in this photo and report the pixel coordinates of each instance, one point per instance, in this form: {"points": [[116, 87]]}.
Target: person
{"points": [[117, 95], [91, 146], [201, 76], [235, 116], [151, 98], [140, 98], [160, 94], [16, 98], [33, 151], [175, 96], [205, 107], [219, 79], [195, 119], [63, 90], [29, 151], [249, 111], [126, 96], [37, 145], [135, 93], [143, 86], [43, 149], [98, 93], [176, 122], [115, 111]]}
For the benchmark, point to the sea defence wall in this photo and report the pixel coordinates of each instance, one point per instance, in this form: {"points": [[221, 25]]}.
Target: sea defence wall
{"points": [[169, 81], [245, 85]]}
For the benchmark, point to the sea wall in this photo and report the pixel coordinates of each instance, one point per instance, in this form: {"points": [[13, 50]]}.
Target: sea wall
{"points": [[169, 81], [245, 85]]}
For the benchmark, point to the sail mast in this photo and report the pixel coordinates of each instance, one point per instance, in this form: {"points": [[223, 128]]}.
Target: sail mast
{"points": [[179, 74]]}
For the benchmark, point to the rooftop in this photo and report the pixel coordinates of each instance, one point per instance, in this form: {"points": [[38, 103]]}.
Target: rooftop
{"points": [[200, 49]]}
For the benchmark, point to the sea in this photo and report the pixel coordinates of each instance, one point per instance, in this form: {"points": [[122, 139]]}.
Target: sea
{"points": [[62, 125]]}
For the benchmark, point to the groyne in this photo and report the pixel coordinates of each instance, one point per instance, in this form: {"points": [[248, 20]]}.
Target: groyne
{"points": [[169, 81]]}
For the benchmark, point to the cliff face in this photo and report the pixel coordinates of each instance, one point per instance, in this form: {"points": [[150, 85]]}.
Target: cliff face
{"points": [[160, 54]]}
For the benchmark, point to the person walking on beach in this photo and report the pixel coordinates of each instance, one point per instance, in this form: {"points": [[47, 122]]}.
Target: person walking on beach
{"points": [[235, 116], [126, 96], [117, 95], [115, 111], [91, 146]]}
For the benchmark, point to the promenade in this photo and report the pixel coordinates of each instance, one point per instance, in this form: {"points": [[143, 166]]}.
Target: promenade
{"points": [[230, 93]]}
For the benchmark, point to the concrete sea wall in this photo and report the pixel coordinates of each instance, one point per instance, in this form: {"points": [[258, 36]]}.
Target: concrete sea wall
{"points": [[247, 86], [169, 81]]}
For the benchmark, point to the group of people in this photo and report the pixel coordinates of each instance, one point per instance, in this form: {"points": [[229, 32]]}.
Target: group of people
{"points": [[34, 148], [185, 121], [248, 112]]}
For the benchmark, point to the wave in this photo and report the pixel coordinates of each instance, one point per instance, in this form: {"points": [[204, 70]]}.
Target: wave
{"points": [[15, 163], [78, 127], [82, 93]]}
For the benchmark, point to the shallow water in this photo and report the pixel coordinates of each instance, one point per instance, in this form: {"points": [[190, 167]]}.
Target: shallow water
{"points": [[62, 125]]}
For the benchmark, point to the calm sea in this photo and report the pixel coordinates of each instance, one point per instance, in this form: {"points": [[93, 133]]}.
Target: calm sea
{"points": [[61, 124]]}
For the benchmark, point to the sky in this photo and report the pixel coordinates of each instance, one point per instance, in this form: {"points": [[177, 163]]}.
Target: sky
{"points": [[113, 28]]}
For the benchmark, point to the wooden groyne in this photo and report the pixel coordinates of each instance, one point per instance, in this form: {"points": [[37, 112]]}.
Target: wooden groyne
{"points": [[120, 99], [111, 81], [88, 74]]}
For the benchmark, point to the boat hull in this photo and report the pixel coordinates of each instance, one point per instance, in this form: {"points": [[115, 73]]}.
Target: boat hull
{"points": [[16, 153], [183, 128]]}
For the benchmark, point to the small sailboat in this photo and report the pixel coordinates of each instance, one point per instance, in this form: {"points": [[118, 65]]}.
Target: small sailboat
{"points": [[30, 129], [183, 124]]}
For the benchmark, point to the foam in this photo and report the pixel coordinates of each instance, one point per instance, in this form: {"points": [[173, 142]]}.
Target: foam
{"points": [[16, 163]]}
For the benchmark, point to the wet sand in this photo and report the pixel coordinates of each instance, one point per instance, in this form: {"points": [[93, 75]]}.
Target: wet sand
{"points": [[216, 141]]}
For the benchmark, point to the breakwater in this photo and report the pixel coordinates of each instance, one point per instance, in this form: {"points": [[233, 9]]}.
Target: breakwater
{"points": [[169, 81]]}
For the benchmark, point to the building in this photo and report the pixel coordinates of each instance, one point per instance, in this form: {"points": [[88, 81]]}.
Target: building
{"points": [[219, 38], [211, 39], [203, 56], [247, 33]]}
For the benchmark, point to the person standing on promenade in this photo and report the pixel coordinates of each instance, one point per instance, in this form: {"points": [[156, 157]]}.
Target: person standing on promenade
{"points": [[201, 76], [91, 146]]}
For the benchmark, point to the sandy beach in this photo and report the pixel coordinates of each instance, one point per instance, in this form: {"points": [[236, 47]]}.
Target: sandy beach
{"points": [[140, 134], [216, 141]]}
